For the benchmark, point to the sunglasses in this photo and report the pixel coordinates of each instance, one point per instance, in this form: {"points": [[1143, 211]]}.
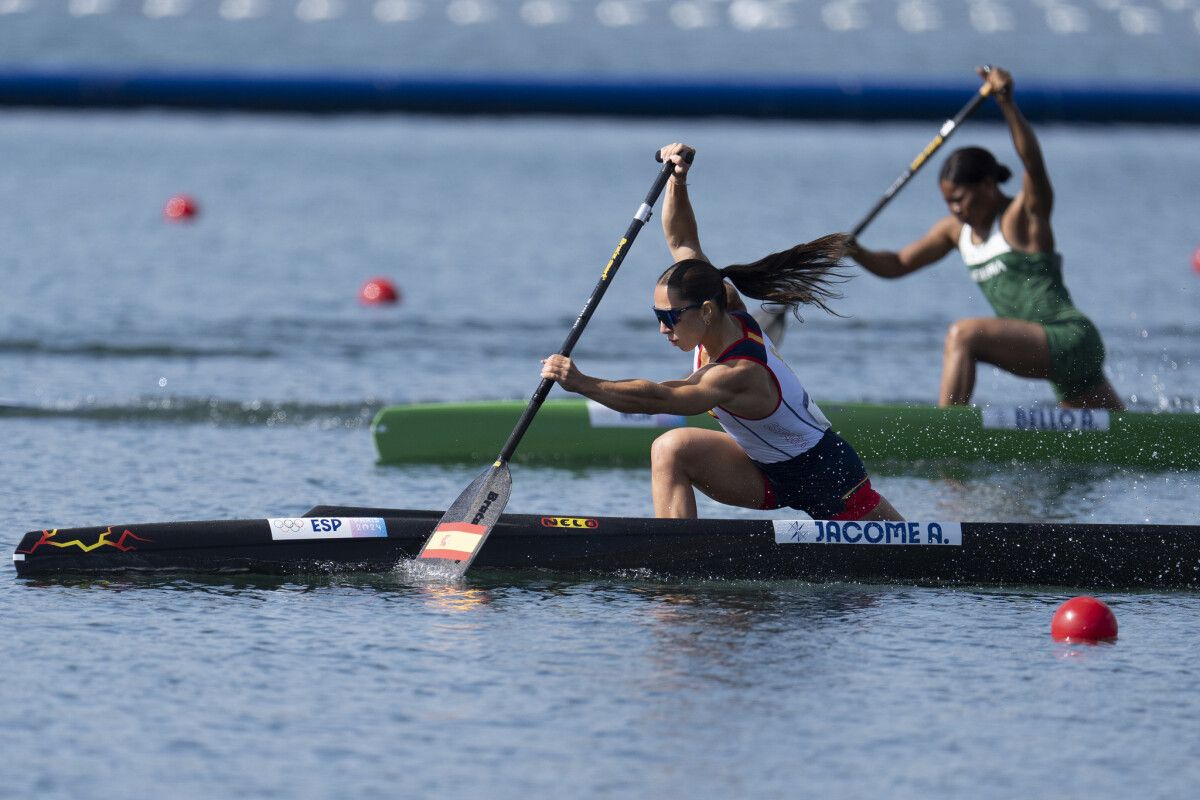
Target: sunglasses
{"points": [[670, 316]]}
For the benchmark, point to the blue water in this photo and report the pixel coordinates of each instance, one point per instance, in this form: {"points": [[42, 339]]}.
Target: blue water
{"points": [[553, 687], [225, 368]]}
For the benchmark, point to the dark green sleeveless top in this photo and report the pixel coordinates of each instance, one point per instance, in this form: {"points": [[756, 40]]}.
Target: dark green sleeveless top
{"points": [[1026, 286]]}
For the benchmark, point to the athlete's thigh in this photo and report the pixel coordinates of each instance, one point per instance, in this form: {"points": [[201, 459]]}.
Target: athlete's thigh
{"points": [[716, 465], [1014, 345]]}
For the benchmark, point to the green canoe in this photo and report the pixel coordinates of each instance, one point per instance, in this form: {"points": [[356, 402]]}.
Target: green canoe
{"points": [[576, 432]]}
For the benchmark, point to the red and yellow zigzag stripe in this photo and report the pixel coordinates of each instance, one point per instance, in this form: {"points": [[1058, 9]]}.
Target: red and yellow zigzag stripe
{"points": [[102, 541]]}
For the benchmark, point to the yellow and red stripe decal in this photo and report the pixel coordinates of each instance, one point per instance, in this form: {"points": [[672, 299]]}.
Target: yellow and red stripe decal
{"points": [[122, 543], [454, 540]]}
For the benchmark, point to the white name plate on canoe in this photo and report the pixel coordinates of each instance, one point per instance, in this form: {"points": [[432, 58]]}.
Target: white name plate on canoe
{"points": [[327, 527], [604, 417], [823, 531], [1058, 420]]}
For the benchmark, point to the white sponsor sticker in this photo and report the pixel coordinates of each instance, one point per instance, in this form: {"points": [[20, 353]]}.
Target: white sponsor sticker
{"points": [[1044, 418], [18, 556], [327, 527], [822, 531], [604, 417]]}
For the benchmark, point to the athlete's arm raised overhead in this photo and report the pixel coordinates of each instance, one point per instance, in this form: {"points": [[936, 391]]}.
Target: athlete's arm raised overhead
{"points": [[678, 218], [1027, 223], [933, 246], [710, 386]]}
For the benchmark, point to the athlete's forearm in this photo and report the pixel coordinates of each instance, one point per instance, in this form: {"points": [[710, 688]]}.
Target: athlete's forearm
{"points": [[632, 396], [639, 396], [883, 263], [1024, 140]]}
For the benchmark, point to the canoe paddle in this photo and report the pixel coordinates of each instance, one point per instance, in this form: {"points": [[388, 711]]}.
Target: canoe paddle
{"points": [[460, 534], [775, 318], [947, 130]]}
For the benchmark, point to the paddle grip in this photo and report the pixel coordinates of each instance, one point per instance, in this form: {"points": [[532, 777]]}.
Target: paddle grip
{"points": [[689, 158]]}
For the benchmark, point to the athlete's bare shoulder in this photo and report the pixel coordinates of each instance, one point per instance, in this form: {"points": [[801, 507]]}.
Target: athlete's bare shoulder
{"points": [[948, 228]]}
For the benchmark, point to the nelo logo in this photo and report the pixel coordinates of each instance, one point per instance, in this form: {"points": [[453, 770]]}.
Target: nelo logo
{"points": [[569, 522], [483, 508]]}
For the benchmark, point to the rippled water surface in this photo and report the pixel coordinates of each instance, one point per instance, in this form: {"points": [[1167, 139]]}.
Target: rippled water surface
{"points": [[225, 369]]}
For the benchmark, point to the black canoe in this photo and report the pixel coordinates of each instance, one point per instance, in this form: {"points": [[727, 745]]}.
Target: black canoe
{"points": [[337, 539]]}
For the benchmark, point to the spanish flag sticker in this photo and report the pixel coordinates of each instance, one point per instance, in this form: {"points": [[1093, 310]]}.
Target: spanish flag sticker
{"points": [[453, 540]]}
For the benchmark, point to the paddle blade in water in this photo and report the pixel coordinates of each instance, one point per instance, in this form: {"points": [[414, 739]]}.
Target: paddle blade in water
{"points": [[462, 530], [457, 539]]}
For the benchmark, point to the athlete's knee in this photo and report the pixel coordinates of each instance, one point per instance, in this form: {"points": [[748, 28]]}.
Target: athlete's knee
{"points": [[963, 335], [668, 450]]}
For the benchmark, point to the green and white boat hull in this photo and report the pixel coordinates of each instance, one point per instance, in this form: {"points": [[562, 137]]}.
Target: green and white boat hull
{"points": [[577, 432]]}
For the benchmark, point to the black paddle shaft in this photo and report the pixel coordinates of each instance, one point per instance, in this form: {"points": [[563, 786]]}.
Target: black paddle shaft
{"points": [[947, 130], [610, 270]]}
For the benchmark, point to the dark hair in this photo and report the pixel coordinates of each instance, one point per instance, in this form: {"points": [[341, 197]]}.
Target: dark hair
{"points": [[802, 275], [968, 166]]}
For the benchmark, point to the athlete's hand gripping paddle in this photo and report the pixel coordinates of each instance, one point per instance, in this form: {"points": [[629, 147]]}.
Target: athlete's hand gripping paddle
{"points": [[460, 534]]}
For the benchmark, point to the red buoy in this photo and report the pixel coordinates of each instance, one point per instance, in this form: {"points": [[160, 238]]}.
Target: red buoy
{"points": [[1083, 619], [379, 290], [1196, 260], [181, 207]]}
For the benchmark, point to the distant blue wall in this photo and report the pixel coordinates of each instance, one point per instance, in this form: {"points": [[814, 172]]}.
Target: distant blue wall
{"points": [[812, 98]]}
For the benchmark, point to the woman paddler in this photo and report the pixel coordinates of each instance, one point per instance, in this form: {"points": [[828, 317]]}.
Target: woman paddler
{"points": [[777, 448], [1008, 246]]}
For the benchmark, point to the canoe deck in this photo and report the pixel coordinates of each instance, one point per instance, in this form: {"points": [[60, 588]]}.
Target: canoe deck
{"points": [[349, 539]]}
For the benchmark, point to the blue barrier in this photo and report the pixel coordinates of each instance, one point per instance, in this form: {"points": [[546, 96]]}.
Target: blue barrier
{"points": [[810, 98]]}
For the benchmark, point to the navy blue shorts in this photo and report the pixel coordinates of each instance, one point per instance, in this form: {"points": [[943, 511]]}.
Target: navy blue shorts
{"points": [[828, 481]]}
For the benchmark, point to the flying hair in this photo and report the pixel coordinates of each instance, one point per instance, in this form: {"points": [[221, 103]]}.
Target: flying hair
{"points": [[802, 275]]}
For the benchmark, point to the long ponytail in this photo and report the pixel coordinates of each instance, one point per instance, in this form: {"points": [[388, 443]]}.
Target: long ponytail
{"points": [[802, 275]]}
